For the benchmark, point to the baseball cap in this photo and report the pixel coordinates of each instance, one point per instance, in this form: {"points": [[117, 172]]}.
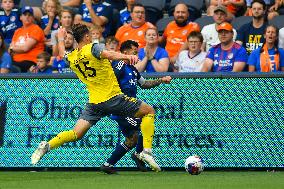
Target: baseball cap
{"points": [[27, 9], [221, 8], [225, 26]]}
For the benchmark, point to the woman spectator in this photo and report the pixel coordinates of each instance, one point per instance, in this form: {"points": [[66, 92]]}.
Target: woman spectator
{"points": [[27, 42], [268, 58], [5, 58], [153, 58]]}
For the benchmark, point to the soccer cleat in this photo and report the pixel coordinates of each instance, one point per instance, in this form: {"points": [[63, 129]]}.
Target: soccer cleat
{"points": [[148, 158], [139, 163], [41, 150], [108, 169]]}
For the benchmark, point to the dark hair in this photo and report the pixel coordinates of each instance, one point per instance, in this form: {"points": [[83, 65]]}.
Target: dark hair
{"points": [[3, 46], [127, 45], [79, 31], [276, 41], [44, 55], [260, 2], [110, 39], [136, 5], [195, 34]]}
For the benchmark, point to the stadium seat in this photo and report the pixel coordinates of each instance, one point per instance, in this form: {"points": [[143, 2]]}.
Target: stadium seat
{"points": [[203, 21], [194, 6], [154, 9], [238, 22], [278, 21], [162, 24]]}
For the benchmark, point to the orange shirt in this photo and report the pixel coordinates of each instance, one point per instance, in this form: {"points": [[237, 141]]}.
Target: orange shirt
{"points": [[176, 36], [127, 32], [20, 37]]}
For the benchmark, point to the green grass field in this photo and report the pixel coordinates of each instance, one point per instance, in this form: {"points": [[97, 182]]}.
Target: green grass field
{"points": [[137, 180]]}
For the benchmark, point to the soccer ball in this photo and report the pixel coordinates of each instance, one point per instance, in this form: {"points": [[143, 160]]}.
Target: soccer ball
{"points": [[194, 165]]}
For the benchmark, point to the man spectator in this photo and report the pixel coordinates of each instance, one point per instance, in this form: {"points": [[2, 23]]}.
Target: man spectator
{"points": [[135, 30], [191, 60], [176, 32], [210, 33], [95, 12], [124, 14], [250, 35], [27, 42], [228, 56]]}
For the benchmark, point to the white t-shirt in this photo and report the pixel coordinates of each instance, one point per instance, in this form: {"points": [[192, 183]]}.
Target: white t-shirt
{"points": [[210, 36], [186, 64], [281, 38]]}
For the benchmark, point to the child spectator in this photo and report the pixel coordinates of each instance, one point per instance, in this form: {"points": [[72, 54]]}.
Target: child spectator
{"points": [[9, 20], [59, 65], [42, 66], [112, 43], [97, 34], [5, 58]]}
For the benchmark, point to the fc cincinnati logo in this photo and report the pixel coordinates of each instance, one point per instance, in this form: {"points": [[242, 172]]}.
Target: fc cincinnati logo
{"points": [[140, 33], [230, 55]]}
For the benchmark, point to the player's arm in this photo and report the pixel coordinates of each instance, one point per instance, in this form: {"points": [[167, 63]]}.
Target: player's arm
{"points": [[111, 55], [147, 84]]}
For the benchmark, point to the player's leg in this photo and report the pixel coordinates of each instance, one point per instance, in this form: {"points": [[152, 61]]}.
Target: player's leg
{"points": [[136, 155]]}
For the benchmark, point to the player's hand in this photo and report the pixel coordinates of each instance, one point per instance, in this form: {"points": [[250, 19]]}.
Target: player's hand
{"points": [[61, 33], [132, 59], [166, 79]]}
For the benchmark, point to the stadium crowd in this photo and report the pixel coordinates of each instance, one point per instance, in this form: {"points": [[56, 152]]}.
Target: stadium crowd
{"points": [[29, 34]]}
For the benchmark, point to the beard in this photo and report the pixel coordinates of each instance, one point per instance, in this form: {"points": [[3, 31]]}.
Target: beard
{"points": [[181, 23], [258, 17]]}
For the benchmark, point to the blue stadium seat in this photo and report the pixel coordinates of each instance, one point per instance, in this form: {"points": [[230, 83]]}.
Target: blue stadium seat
{"points": [[278, 21], [162, 24], [194, 6], [203, 21], [154, 9], [238, 22]]}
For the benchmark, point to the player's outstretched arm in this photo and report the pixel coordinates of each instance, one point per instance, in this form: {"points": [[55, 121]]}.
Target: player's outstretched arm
{"points": [[111, 55], [153, 83]]}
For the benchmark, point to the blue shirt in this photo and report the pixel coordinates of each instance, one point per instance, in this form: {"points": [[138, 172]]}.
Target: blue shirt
{"points": [[44, 22], [9, 24], [127, 77], [101, 9], [125, 17], [223, 60], [159, 54], [254, 59], [47, 70], [6, 61], [61, 66]]}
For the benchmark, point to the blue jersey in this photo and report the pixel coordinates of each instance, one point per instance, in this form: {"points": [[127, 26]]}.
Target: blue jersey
{"points": [[9, 24], [125, 17], [224, 60], [101, 9], [6, 61], [127, 77], [44, 22], [159, 54], [61, 66], [254, 59]]}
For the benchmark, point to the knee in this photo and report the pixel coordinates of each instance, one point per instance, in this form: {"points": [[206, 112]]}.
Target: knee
{"points": [[132, 140]]}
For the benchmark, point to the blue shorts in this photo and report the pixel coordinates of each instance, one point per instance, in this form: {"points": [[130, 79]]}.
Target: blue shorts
{"points": [[128, 125]]}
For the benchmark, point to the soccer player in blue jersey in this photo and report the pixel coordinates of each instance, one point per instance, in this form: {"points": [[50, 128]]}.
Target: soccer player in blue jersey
{"points": [[128, 78], [9, 20], [91, 63]]}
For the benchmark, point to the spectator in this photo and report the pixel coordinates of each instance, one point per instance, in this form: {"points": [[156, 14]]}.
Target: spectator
{"points": [[59, 65], [276, 9], [233, 7], [125, 17], [50, 21], [66, 20], [135, 30], [228, 56], [97, 34], [42, 66], [210, 33], [248, 12], [9, 20], [95, 12], [176, 32], [111, 43], [5, 58], [250, 35], [27, 42], [37, 6], [281, 38], [191, 60], [153, 58], [268, 58]]}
